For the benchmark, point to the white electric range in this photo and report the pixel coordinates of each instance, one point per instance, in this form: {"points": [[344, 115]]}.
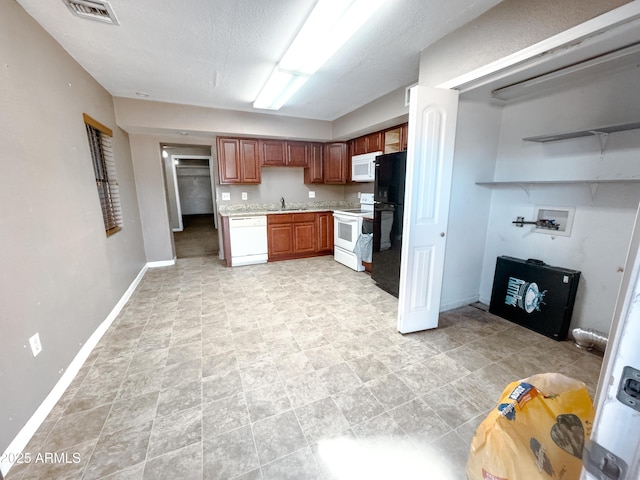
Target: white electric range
{"points": [[347, 227]]}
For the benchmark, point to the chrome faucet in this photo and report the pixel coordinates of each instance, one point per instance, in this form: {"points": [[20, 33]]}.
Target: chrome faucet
{"points": [[282, 203]]}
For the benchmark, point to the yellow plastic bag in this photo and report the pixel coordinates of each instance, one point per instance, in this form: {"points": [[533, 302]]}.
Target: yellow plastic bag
{"points": [[537, 431]]}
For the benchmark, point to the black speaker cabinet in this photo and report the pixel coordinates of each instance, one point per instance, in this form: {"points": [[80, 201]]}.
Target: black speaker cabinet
{"points": [[534, 295]]}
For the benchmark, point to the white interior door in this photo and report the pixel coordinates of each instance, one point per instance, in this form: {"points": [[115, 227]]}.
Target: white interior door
{"points": [[432, 127], [613, 451]]}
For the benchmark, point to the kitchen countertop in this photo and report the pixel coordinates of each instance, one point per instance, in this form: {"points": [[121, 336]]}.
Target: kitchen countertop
{"points": [[243, 210]]}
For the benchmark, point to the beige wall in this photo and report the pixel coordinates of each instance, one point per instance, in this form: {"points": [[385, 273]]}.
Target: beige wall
{"points": [[281, 182], [387, 111], [60, 276], [146, 117], [510, 26], [152, 188]]}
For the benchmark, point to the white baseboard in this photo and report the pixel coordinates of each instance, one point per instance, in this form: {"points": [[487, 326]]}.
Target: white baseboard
{"points": [[161, 263], [22, 439], [459, 303]]}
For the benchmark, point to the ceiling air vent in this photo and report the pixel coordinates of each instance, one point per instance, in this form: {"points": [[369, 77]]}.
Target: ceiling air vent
{"points": [[99, 10]]}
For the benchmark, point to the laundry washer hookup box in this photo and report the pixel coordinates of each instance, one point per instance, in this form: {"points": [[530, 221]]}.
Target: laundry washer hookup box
{"points": [[534, 295]]}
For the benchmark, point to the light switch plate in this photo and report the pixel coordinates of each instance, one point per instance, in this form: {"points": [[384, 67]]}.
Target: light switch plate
{"points": [[226, 196], [312, 194]]}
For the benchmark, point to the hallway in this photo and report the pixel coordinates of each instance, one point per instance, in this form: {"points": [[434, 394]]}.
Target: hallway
{"points": [[199, 237]]}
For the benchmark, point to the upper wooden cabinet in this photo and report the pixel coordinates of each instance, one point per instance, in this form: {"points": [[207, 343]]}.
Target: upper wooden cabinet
{"points": [[395, 139], [374, 142], [297, 154], [273, 152], [367, 143], [284, 153], [238, 160], [314, 173], [335, 163]]}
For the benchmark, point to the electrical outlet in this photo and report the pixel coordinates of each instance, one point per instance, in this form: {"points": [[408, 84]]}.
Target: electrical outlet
{"points": [[36, 346], [312, 194], [226, 196], [244, 195]]}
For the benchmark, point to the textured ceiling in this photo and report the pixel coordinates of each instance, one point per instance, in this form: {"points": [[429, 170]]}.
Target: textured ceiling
{"points": [[219, 53]]}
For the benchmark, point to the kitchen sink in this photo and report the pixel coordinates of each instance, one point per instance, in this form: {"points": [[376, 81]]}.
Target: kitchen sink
{"points": [[289, 209]]}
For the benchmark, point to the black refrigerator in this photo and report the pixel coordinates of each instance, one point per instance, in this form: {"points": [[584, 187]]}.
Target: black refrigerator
{"points": [[535, 295], [388, 207]]}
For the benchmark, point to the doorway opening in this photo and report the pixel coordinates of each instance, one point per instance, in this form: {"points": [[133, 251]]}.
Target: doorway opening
{"points": [[194, 224], [199, 237]]}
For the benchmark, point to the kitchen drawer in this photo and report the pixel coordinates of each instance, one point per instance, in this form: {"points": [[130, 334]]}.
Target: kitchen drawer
{"points": [[304, 217], [279, 218]]}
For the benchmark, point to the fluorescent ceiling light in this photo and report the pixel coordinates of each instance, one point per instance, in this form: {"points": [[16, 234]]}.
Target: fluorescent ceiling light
{"points": [[328, 27], [279, 88]]}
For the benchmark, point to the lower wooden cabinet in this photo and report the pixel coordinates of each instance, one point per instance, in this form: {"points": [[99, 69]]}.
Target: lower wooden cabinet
{"points": [[324, 233], [304, 236], [299, 235], [280, 236]]}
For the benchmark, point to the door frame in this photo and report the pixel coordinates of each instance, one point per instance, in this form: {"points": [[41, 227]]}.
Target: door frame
{"points": [[209, 158]]}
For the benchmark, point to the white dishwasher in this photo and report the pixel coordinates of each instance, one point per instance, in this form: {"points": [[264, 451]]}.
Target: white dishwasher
{"points": [[248, 237]]}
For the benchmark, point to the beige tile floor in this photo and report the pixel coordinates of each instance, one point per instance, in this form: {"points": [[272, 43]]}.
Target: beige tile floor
{"points": [[289, 370]]}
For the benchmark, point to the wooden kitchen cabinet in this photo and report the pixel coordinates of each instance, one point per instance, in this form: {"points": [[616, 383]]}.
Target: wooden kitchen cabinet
{"points": [[335, 164], [367, 143], [283, 153], [392, 140], [297, 154], [273, 152], [324, 231], [314, 172], [374, 142], [299, 235], [304, 234], [395, 139], [280, 236], [404, 136], [358, 146], [238, 160]]}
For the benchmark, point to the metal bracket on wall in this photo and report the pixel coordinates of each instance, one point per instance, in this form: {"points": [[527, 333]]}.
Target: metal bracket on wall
{"points": [[602, 138]]}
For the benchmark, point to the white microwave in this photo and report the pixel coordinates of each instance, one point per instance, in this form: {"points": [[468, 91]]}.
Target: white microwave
{"points": [[363, 167]]}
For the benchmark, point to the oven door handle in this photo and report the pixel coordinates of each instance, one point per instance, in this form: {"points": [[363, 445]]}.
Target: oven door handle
{"points": [[345, 218]]}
